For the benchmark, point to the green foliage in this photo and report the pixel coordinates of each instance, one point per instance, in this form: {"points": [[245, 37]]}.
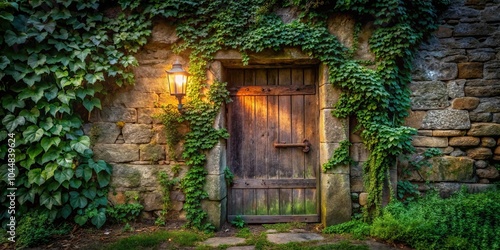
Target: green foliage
{"points": [[464, 221], [124, 213], [228, 176], [238, 222], [285, 227], [358, 229], [340, 156], [175, 239], [170, 117], [54, 57], [167, 184], [244, 233], [37, 227]]}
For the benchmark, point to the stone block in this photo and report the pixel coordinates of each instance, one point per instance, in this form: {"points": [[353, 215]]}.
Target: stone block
{"points": [[102, 132], [152, 201], [136, 99], [425, 141], [140, 177], [115, 114], [336, 204], [331, 129], [216, 159], [480, 153], [428, 95], [323, 77], [488, 142], [445, 133], [497, 150], [484, 129], [456, 88], [163, 33], [424, 132], [328, 96], [460, 43], [342, 27], [116, 152], [490, 13], [152, 152], [159, 134], [457, 153], [473, 29], [443, 31], [363, 199], [482, 88], [469, 70], [448, 168], [326, 153], [480, 164], [464, 141], [467, 103], [492, 70], [148, 115], [481, 55], [496, 118], [137, 133], [357, 169], [216, 211], [151, 85], [480, 117], [358, 152], [488, 173], [414, 119], [446, 119], [215, 186], [488, 105]]}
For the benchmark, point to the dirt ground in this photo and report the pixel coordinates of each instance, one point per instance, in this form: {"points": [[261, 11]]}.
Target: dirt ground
{"points": [[83, 238]]}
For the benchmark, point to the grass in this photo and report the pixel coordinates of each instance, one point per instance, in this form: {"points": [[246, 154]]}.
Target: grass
{"points": [[173, 239], [285, 227]]}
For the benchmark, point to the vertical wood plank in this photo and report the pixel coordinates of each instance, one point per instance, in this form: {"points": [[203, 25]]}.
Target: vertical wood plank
{"points": [[261, 202], [248, 144], [311, 128], [284, 120], [234, 145], [249, 79], [237, 201], [311, 201], [298, 124], [298, 201], [286, 201], [272, 154], [249, 202], [260, 77], [273, 200]]}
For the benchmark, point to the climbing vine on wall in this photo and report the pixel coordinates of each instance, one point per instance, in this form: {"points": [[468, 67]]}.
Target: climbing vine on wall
{"points": [[54, 56], [375, 93]]}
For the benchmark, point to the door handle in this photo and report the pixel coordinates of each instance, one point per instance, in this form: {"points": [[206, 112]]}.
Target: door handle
{"points": [[306, 145]]}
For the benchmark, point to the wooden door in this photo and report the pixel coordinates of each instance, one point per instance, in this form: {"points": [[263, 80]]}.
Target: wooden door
{"points": [[272, 109]]}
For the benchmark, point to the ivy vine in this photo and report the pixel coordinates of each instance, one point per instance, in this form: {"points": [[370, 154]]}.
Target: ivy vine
{"points": [[377, 96], [54, 57], [56, 54]]}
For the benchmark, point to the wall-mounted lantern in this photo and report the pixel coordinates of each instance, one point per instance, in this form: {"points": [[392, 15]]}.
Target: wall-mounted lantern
{"points": [[177, 79]]}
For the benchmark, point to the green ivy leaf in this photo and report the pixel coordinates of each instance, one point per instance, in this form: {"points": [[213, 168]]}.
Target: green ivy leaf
{"points": [[76, 200], [6, 16], [99, 219], [90, 192], [11, 122], [66, 211], [11, 104], [4, 62], [84, 171], [50, 155], [81, 219], [31, 115], [90, 104], [103, 179], [50, 199], [47, 142], [75, 183], [35, 176], [11, 38], [80, 145], [63, 175], [34, 150], [33, 133]]}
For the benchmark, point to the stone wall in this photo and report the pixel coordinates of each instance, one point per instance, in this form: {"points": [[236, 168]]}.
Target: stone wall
{"points": [[456, 97], [127, 134]]}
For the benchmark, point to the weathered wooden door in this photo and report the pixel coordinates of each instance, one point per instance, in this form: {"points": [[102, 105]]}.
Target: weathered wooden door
{"points": [[273, 145]]}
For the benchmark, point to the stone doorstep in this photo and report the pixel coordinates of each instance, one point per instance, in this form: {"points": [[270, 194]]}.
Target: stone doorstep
{"points": [[283, 238], [218, 241]]}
